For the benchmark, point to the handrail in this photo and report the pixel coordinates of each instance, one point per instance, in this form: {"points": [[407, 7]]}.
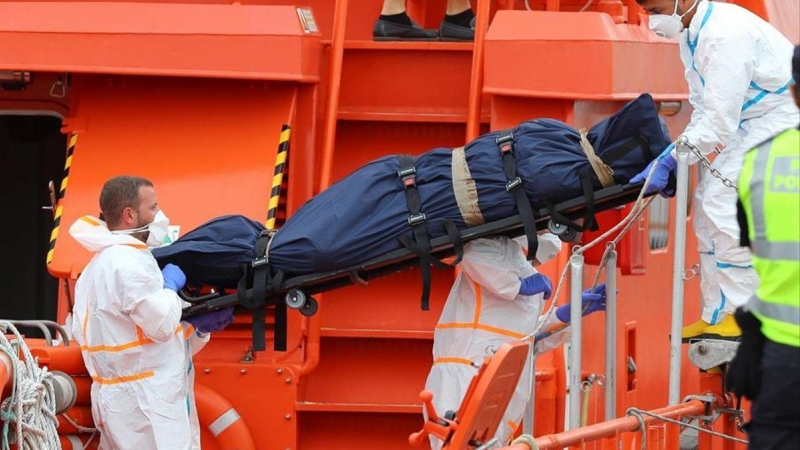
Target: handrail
{"points": [[611, 428], [575, 340], [476, 79], [679, 262], [332, 108], [611, 336]]}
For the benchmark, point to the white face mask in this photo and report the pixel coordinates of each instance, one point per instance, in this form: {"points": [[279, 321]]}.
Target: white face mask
{"points": [[549, 247], [158, 229], [669, 26]]}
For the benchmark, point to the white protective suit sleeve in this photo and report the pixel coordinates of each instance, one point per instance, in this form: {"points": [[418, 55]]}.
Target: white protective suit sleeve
{"points": [[157, 311], [491, 263], [696, 100], [559, 333], [196, 339], [726, 61]]}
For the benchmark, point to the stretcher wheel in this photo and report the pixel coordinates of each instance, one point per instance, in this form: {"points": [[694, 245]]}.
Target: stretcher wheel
{"points": [[564, 232], [295, 299], [310, 307]]}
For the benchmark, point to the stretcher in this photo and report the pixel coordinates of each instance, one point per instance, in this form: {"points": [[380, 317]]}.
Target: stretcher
{"points": [[297, 292]]}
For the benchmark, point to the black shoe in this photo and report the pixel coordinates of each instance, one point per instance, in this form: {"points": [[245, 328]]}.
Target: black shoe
{"points": [[452, 32], [391, 31]]}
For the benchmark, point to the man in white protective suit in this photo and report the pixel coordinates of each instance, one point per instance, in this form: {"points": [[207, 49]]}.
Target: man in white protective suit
{"points": [[497, 297], [738, 70], [127, 320]]}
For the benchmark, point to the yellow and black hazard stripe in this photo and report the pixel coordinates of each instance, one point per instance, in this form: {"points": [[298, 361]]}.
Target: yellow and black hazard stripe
{"points": [[57, 217], [277, 177]]}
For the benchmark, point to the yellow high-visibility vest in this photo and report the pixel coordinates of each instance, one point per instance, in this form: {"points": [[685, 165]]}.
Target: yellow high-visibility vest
{"points": [[769, 190]]}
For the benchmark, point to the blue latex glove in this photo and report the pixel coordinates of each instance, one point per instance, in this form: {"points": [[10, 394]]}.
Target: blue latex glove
{"points": [[593, 300], [211, 321], [666, 165], [536, 284], [174, 278]]}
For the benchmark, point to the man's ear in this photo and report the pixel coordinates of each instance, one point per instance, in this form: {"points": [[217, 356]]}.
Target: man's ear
{"points": [[127, 217]]}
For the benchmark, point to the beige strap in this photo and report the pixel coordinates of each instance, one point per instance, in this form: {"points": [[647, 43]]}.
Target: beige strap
{"points": [[465, 190], [604, 173]]}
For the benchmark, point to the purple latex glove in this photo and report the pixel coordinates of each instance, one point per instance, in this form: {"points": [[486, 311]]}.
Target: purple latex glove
{"points": [[174, 278], [593, 300], [211, 321], [536, 284], [658, 183]]}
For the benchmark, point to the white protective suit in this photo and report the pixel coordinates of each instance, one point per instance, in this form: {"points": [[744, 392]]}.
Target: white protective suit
{"points": [[482, 312], [134, 345], [738, 68]]}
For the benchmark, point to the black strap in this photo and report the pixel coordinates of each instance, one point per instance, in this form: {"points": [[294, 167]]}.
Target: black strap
{"points": [[455, 239], [420, 245], [261, 279], [274, 283], [261, 243], [263, 282], [514, 186], [589, 219], [416, 219], [280, 326], [241, 289], [641, 141]]}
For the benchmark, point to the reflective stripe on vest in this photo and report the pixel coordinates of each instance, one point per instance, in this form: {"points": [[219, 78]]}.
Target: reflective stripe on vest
{"points": [[784, 313], [770, 193]]}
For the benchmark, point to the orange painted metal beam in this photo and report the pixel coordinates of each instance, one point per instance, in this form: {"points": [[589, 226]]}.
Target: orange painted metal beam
{"points": [[611, 428], [220, 41], [476, 83], [332, 107]]}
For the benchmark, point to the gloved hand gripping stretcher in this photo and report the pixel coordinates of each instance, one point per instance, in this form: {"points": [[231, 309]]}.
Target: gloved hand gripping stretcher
{"points": [[398, 212]]}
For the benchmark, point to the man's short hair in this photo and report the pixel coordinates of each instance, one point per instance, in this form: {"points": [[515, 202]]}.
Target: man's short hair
{"points": [[119, 193]]}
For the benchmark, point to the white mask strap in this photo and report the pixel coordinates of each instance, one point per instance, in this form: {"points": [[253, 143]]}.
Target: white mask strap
{"points": [[131, 231], [688, 10]]}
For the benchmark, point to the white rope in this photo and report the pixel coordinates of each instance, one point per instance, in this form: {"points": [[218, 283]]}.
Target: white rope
{"points": [[638, 412], [92, 432], [30, 412]]}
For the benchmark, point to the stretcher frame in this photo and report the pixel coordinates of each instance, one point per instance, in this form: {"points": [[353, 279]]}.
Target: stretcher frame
{"points": [[404, 259]]}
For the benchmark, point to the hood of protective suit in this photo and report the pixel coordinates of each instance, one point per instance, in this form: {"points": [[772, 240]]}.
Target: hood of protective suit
{"points": [[93, 235], [549, 246]]}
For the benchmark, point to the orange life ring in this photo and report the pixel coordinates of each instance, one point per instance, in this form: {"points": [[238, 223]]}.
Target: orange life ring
{"points": [[220, 418]]}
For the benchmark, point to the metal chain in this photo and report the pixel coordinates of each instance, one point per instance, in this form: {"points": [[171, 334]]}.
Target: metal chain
{"points": [[636, 411], [707, 163]]}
